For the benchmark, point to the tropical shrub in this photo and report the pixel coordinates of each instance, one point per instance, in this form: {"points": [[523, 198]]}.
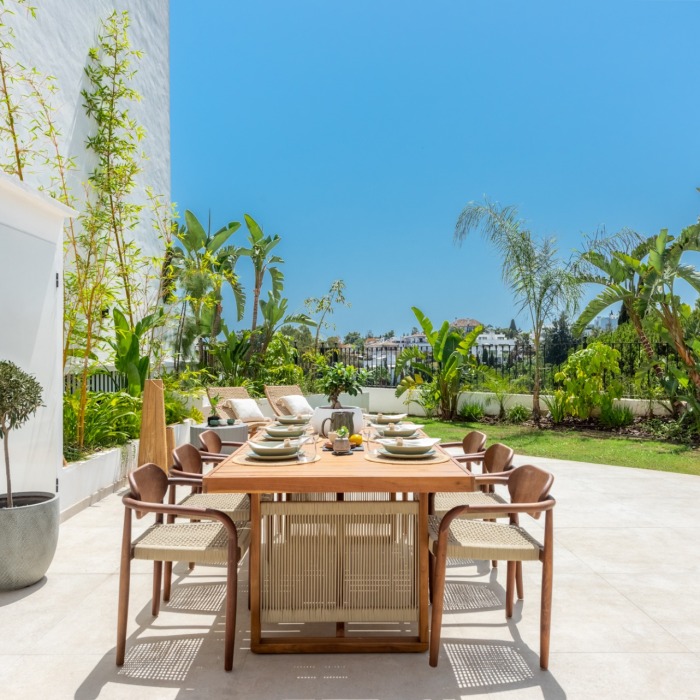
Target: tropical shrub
{"points": [[556, 405], [110, 419], [616, 416], [589, 379], [518, 414], [471, 411]]}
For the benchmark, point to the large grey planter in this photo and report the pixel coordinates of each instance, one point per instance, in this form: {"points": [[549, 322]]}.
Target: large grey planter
{"points": [[28, 538]]}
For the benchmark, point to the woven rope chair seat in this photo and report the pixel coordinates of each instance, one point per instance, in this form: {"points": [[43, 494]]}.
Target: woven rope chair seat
{"points": [[235, 505], [448, 501], [201, 543], [477, 539]]}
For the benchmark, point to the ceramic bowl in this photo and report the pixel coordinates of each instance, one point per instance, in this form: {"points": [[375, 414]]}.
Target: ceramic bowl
{"points": [[401, 430], [386, 418], [293, 420], [408, 447], [267, 449], [285, 431]]}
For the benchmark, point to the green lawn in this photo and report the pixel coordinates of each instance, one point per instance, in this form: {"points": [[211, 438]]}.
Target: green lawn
{"points": [[581, 446]]}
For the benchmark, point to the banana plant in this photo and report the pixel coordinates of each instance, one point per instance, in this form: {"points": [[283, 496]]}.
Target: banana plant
{"points": [[452, 356], [259, 253], [127, 348], [274, 313], [232, 353]]}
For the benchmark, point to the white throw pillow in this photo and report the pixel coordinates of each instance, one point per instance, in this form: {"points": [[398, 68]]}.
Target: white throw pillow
{"points": [[246, 410], [296, 405]]}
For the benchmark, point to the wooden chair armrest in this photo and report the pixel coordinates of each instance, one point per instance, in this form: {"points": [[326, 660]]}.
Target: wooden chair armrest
{"points": [[184, 478], [469, 456], [495, 478], [505, 508], [212, 456]]}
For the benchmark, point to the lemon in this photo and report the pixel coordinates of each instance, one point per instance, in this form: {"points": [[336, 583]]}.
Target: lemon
{"points": [[356, 439]]}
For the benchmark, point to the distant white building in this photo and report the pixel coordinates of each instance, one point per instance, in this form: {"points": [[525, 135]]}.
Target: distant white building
{"points": [[606, 323], [497, 345]]}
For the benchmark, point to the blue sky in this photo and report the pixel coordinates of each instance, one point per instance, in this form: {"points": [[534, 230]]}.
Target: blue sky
{"points": [[358, 131]]}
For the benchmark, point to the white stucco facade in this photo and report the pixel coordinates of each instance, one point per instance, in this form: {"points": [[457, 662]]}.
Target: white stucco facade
{"points": [[31, 322], [57, 43]]}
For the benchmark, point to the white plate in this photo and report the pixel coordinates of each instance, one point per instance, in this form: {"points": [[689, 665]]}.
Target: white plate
{"points": [[383, 453], [272, 458]]}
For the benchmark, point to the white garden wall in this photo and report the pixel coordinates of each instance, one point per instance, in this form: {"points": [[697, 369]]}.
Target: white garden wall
{"points": [[386, 401], [31, 321]]}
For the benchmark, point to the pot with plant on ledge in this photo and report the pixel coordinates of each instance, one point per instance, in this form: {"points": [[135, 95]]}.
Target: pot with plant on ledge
{"points": [[337, 379], [213, 418], [29, 520]]}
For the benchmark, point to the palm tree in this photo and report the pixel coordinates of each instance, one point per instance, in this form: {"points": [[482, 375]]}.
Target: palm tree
{"points": [[657, 294], [259, 253], [613, 263], [540, 283]]}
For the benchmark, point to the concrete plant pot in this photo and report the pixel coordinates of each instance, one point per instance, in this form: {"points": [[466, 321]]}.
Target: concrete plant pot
{"points": [[28, 538]]}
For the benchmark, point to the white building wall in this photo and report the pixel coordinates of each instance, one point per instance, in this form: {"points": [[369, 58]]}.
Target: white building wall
{"points": [[57, 43], [31, 319]]}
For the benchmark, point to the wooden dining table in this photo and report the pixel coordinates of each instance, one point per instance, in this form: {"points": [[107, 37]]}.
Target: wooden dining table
{"points": [[317, 556]]}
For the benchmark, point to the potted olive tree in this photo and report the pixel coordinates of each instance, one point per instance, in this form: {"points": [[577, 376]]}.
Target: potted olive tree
{"points": [[28, 521], [337, 379]]}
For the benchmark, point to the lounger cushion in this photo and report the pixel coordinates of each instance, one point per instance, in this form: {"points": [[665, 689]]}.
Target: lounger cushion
{"points": [[246, 410], [296, 405]]}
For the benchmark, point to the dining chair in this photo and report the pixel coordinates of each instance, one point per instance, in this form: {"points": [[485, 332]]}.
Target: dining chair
{"points": [[497, 458], [188, 466], [461, 537], [212, 542], [212, 442], [471, 446]]}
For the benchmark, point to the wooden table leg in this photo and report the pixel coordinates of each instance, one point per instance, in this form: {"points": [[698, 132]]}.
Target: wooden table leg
{"points": [[423, 564], [254, 563]]}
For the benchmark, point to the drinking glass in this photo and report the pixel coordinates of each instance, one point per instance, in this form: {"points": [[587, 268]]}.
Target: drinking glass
{"points": [[310, 446]]}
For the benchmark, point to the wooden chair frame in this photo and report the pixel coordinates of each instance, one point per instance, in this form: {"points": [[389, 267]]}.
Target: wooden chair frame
{"points": [[541, 503], [153, 487]]}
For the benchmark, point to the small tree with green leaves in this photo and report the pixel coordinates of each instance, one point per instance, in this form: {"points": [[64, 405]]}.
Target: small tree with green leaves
{"points": [[340, 378], [590, 379], [20, 396]]}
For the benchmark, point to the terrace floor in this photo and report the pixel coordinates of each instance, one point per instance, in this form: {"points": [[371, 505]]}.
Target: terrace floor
{"points": [[626, 620]]}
